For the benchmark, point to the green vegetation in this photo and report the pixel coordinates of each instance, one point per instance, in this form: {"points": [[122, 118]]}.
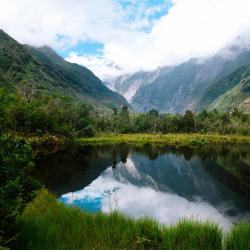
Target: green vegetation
{"points": [[235, 122], [46, 102], [234, 98], [230, 92], [47, 224], [44, 115], [38, 114], [190, 140], [50, 74], [17, 187], [238, 238]]}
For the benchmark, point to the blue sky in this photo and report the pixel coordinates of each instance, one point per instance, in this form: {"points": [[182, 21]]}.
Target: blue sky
{"points": [[94, 48], [83, 48], [114, 37]]}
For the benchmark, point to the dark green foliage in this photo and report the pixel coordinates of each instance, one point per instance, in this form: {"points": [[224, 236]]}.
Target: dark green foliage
{"points": [[16, 186], [114, 120], [239, 238], [45, 114], [153, 113], [188, 122], [88, 131], [152, 122], [190, 235], [62, 116], [219, 88], [47, 224], [123, 120]]}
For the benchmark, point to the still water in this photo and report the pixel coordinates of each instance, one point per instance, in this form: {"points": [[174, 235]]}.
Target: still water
{"points": [[154, 181]]}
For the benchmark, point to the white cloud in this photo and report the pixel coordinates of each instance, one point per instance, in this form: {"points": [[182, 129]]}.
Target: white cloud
{"points": [[101, 66], [131, 41]]}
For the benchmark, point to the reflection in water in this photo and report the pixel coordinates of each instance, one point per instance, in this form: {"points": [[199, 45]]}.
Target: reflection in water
{"points": [[165, 184]]}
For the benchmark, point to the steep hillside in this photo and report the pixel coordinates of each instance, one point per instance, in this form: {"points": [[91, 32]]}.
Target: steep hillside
{"points": [[51, 73], [231, 92], [181, 87], [128, 85]]}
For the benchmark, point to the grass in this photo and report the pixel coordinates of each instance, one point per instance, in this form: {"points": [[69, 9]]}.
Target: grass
{"points": [[48, 224], [239, 238], [191, 140]]}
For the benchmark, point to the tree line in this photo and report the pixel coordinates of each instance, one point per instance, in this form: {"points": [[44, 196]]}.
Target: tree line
{"points": [[190, 122], [29, 112]]}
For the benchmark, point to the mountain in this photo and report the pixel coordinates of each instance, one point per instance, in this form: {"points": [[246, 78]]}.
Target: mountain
{"points": [[50, 73], [176, 89], [231, 92], [128, 84]]}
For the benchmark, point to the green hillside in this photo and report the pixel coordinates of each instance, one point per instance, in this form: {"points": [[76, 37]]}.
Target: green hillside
{"points": [[50, 73], [236, 97], [230, 92]]}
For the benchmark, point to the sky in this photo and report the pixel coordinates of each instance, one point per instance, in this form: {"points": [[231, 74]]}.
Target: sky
{"points": [[114, 37]]}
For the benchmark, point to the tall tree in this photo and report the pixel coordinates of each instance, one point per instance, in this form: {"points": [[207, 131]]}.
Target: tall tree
{"points": [[188, 122], [124, 125], [114, 120]]}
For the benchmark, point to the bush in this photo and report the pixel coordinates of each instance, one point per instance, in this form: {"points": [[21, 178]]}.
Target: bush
{"points": [[88, 131], [16, 187]]}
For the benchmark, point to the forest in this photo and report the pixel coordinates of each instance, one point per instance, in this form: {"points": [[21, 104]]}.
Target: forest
{"points": [[26, 112]]}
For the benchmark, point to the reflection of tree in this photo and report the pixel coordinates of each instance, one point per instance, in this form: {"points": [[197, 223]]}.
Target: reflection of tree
{"points": [[114, 156], [76, 167], [152, 154], [187, 153], [124, 152], [149, 150]]}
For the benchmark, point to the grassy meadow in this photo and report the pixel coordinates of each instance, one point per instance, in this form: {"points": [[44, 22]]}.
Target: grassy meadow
{"points": [[190, 140]]}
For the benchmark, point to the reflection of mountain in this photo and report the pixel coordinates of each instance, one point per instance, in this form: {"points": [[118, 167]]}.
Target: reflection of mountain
{"points": [[171, 173], [167, 187]]}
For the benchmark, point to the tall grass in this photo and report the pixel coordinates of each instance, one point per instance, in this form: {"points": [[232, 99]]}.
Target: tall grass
{"points": [[192, 140], [238, 238], [48, 224]]}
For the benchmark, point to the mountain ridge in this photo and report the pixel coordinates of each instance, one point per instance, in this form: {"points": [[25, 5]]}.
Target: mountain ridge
{"points": [[181, 87], [51, 73], [232, 91]]}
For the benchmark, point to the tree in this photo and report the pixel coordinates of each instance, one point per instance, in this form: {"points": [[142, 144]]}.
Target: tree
{"points": [[114, 120], [204, 114], [153, 113], [27, 90], [154, 119], [170, 123], [125, 114], [188, 122], [236, 112], [124, 125], [16, 186]]}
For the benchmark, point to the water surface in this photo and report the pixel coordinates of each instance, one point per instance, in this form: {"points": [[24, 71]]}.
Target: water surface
{"points": [[154, 181]]}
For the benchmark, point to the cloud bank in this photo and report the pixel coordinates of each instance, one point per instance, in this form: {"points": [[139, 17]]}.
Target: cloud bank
{"points": [[136, 35]]}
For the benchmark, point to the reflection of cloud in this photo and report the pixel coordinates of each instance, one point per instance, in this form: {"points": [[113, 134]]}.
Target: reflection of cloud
{"points": [[145, 201]]}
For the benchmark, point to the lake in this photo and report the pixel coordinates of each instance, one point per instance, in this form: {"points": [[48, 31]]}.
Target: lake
{"points": [[155, 181]]}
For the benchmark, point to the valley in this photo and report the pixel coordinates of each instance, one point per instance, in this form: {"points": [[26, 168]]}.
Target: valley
{"points": [[148, 160]]}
